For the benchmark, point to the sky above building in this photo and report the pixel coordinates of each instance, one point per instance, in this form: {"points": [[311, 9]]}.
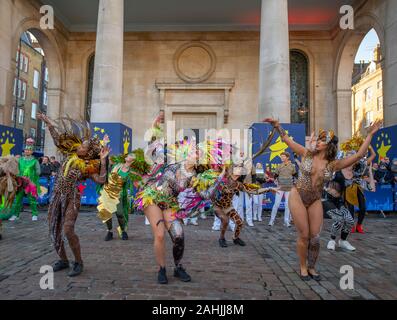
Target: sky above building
{"points": [[366, 50]]}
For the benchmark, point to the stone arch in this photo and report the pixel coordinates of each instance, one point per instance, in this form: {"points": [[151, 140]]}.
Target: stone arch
{"points": [[294, 46], [48, 41], [52, 49], [344, 62]]}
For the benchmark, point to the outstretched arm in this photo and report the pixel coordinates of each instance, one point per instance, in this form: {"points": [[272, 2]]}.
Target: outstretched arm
{"points": [[372, 156], [347, 162], [295, 147], [50, 126]]}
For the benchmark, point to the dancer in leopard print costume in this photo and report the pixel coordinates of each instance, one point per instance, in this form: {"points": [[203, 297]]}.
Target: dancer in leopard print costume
{"points": [[223, 203], [85, 159]]}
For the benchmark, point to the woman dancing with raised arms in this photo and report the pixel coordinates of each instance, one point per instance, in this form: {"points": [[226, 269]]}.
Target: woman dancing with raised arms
{"points": [[85, 159], [317, 168]]}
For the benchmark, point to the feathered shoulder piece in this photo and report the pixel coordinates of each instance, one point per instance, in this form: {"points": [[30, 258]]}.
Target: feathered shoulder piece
{"points": [[353, 144], [205, 180], [8, 174], [139, 164]]}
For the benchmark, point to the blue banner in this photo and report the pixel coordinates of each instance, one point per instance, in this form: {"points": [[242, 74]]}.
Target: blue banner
{"points": [[11, 141], [382, 199], [271, 158], [120, 136], [385, 143]]}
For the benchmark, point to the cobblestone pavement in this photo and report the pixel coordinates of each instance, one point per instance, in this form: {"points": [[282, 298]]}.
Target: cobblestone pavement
{"points": [[265, 269]]}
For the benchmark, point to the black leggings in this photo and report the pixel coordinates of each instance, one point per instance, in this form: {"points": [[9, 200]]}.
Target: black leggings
{"points": [[361, 206]]}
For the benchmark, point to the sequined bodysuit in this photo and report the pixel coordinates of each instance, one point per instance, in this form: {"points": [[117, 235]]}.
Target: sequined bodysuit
{"points": [[308, 191]]}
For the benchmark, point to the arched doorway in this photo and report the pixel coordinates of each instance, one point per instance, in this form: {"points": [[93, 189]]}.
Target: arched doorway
{"points": [[367, 83], [299, 76], [29, 92], [344, 65], [47, 41]]}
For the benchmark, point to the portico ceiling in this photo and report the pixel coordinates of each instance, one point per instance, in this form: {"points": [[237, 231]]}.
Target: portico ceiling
{"points": [[199, 15]]}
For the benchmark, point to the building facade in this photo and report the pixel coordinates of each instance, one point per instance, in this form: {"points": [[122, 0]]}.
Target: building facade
{"points": [[367, 94], [29, 90], [223, 64]]}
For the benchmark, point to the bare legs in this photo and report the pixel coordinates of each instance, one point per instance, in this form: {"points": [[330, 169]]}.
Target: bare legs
{"points": [[232, 214], [160, 222], [308, 222], [156, 219]]}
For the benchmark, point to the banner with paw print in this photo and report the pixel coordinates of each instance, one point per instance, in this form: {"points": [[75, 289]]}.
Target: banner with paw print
{"points": [[11, 141], [120, 136]]}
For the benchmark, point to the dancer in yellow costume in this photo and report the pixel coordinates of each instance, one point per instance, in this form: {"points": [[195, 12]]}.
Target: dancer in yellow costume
{"points": [[126, 170]]}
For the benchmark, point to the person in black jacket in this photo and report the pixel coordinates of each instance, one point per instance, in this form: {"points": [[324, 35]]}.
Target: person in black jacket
{"points": [[46, 167]]}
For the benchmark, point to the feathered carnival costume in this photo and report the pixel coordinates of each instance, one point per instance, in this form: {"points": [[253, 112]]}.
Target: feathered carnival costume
{"points": [[11, 184], [114, 193], [82, 161]]}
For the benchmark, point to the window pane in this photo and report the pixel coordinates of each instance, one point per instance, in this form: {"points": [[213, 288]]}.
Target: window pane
{"points": [[20, 116], [45, 100], [299, 76], [24, 90], [34, 110], [26, 64], [36, 76]]}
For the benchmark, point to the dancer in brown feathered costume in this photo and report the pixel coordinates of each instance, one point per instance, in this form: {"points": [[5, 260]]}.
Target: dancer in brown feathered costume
{"points": [[85, 159]]}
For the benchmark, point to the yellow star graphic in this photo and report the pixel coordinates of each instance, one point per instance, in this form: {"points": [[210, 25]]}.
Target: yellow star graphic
{"points": [[278, 148], [126, 140], [102, 130], [126, 146], [6, 148], [382, 151]]}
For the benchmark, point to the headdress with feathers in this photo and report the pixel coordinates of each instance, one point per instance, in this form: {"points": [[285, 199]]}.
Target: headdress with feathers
{"points": [[72, 134]]}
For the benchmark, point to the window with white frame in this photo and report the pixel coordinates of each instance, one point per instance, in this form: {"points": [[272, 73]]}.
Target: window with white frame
{"points": [[17, 58], [368, 94], [36, 79], [15, 87], [45, 98], [26, 64], [33, 132], [369, 116], [24, 88], [21, 60], [380, 84], [34, 110], [380, 103], [21, 114], [46, 74], [19, 88]]}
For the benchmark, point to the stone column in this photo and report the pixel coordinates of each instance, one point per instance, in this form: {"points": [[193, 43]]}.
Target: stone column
{"points": [[55, 98], [390, 72], [7, 54], [274, 72], [108, 70], [344, 114]]}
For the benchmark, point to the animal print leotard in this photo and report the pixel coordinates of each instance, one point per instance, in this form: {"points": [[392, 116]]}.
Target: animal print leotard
{"points": [[308, 191]]}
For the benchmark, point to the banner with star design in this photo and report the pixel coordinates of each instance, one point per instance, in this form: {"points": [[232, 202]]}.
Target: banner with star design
{"points": [[385, 143], [260, 132], [11, 141], [120, 136]]}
